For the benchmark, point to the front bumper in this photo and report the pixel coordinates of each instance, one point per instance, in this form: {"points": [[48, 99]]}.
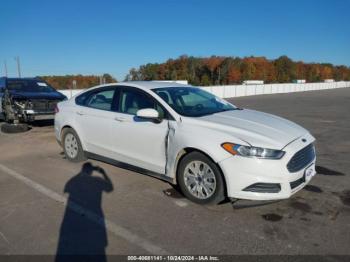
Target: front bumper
{"points": [[32, 115], [242, 172], [37, 112]]}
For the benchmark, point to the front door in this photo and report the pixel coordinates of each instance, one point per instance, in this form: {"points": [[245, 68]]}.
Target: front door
{"points": [[136, 141]]}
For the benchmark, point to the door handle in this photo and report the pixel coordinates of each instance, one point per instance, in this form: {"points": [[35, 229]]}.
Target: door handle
{"points": [[80, 113], [120, 119]]}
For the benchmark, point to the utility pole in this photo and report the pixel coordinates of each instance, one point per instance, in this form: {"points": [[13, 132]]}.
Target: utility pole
{"points": [[5, 67], [102, 80], [219, 76], [18, 66], [74, 86]]}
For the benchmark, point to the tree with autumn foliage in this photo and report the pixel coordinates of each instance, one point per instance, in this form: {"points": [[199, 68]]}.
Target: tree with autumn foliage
{"points": [[82, 81], [220, 70]]}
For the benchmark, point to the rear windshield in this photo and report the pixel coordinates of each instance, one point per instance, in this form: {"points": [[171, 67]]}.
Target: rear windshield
{"points": [[30, 85]]}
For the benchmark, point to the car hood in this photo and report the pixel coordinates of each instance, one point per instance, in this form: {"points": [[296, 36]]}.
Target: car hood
{"points": [[37, 95], [254, 127]]}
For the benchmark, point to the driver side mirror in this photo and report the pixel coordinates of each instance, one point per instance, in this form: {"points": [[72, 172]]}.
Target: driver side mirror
{"points": [[148, 113]]}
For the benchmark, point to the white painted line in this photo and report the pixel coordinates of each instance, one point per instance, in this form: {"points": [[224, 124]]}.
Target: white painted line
{"points": [[3, 236], [181, 203], [117, 230]]}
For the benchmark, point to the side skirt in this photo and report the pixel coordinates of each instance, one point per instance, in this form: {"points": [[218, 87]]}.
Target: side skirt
{"points": [[129, 167]]}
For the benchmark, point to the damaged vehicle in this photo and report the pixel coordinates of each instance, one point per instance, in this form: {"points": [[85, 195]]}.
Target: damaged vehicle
{"points": [[24, 100], [189, 137]]}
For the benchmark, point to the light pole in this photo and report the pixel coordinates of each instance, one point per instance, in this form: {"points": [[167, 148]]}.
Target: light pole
{"points": [[5, 67], [18, 66]]}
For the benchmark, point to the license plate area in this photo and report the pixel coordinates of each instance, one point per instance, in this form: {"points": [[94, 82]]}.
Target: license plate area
{"points": [[44, 117], [309, 172]]}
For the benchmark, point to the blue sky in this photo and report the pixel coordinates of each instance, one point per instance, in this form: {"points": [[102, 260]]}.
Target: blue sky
{"points": [[93, 37]]}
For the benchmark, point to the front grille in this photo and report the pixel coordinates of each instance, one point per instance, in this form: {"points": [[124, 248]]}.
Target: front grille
{"points": [[44, 105], [40, 105], [52, 105], [296, 183], [301, 159]]}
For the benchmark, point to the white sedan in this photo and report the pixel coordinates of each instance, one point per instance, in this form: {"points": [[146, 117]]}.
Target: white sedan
{"points": [[186, 136]]}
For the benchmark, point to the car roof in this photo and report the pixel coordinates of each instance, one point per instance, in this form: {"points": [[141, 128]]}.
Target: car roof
{"points": [[20, 78], [149, 84]]}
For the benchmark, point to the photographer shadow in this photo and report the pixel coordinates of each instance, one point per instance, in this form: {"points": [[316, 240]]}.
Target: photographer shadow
{"points": [[83, 230]]}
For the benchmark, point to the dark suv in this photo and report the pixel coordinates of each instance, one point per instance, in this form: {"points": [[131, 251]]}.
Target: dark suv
{"points": [[27, 99]]}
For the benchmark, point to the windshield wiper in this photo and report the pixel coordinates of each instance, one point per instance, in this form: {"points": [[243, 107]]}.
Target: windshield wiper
{"points": [[229, 109], [212, 113]]}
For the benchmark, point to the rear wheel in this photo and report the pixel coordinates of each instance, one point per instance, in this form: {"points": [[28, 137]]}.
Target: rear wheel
{"points": [[200, 179], [72, 146]]}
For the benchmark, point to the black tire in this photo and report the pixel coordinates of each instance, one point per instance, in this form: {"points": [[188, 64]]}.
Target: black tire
{"points": [[7, 120], [14, 128], [219, 192], [80, 156]]}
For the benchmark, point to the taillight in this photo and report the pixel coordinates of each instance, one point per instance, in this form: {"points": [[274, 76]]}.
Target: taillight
{"points": [[56, 109]]}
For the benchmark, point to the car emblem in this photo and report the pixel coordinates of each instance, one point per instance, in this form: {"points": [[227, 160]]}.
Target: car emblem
{"points": [[304, 140]]}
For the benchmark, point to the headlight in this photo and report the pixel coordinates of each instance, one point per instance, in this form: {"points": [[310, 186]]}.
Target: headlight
{"points": [[251, 151]]}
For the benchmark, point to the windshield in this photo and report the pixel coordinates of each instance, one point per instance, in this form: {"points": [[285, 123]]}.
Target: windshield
{"points": [[193, 102], [28, 85]]}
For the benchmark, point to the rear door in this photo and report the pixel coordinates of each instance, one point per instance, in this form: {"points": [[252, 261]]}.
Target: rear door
{"points": [[95, 117], [136, 141]]}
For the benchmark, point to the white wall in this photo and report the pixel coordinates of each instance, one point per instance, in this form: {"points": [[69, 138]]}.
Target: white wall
{"points": [[250, 90], [70, 92]]}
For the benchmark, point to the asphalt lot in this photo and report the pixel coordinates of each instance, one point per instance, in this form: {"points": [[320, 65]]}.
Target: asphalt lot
{"points": [[136, 214]]}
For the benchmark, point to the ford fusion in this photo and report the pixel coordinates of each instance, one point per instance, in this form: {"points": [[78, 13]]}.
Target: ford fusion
{"points": [[189, 137]]}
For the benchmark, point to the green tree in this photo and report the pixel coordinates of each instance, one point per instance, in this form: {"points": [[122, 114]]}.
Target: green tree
{"points": [[285, 69]]}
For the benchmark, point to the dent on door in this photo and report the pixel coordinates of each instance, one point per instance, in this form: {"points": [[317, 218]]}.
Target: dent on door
{"points": [[171, 150]]}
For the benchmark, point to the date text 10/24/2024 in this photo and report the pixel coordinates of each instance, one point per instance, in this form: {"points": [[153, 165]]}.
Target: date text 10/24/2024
{"points": [[173, 258]]}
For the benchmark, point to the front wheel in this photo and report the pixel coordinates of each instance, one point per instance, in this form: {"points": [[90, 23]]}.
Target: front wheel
{"points": [[200, 179]]}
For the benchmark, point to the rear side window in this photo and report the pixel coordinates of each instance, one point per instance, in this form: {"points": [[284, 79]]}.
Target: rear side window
{"points": [[102, 99], [80, 100]]}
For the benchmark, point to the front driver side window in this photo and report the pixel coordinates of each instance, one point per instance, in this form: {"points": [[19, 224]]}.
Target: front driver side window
{"points": [[133, 100]]}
